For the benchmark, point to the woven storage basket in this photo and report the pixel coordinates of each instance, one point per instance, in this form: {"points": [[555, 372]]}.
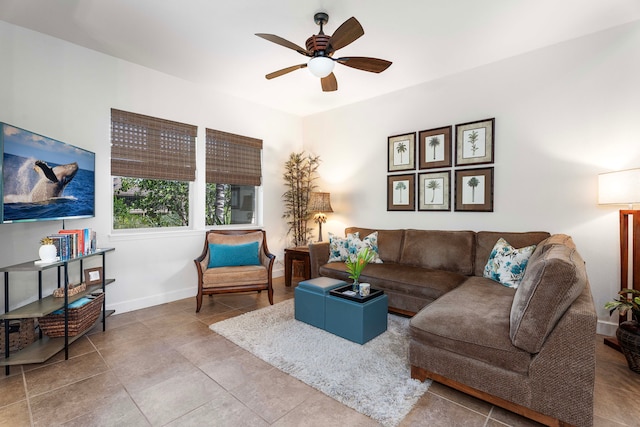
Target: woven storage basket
{"points": [[80, 319], [21, 334]]}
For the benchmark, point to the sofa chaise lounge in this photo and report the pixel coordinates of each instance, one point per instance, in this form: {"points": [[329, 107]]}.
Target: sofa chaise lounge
{"points": [[529, 349]]}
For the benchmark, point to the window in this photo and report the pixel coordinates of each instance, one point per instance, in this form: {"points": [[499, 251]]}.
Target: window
{"points": [[152, 164], [234, 173]]}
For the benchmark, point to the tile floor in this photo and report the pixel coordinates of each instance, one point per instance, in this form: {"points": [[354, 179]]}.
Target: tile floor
{"points": [[162, 366]]}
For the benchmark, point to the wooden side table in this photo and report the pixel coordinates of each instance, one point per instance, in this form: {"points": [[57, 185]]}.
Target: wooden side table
{"points": [[298, 253]]}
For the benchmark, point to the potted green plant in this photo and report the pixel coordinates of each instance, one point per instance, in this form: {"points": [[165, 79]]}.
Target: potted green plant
{"points": [[299, 176], [628, 333], [356, 263]]}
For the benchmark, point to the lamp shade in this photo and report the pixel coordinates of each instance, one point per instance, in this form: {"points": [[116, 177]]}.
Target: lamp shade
{"points": [[619, 188], [320, 66], [320, 202]]}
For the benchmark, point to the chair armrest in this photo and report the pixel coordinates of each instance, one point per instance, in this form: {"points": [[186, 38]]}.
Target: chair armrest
{"points": [[203, 260], [318, 256]]}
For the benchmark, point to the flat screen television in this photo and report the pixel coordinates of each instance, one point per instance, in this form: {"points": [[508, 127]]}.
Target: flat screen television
{"points": [[44, 179]]}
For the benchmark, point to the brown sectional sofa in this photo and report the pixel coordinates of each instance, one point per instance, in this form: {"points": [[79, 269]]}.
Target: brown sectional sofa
{"points": [[530, 349]]}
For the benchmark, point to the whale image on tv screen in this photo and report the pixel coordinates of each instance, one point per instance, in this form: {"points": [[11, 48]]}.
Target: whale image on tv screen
{"points": [[44, 179]]}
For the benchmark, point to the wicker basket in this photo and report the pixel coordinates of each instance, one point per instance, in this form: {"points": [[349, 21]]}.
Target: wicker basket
{"points": [[630, 344], [21, 334], [71, 290], [80, 319]]}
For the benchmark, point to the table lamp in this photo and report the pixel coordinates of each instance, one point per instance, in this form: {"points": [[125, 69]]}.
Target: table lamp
{"points": [[623, 188], [320, 204]]}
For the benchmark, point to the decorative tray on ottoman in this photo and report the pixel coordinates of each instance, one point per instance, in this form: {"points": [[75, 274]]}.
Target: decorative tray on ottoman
{"points": [[340, 293]]}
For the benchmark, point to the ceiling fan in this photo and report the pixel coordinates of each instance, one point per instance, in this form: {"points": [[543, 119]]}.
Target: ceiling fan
{"points": [[321, 47]]}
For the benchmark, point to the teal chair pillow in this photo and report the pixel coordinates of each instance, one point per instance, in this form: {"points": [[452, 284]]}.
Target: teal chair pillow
{"points": [[233, 255]]}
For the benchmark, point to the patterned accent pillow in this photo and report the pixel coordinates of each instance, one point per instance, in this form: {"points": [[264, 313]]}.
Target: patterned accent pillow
{"points": [[507, 264], [355, 245], [339, 247]]}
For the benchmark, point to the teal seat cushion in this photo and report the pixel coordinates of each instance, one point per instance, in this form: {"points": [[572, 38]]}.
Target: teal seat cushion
{"points": [[233, 255]]}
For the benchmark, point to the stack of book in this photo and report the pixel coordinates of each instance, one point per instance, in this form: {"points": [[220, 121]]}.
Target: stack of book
{"points": [[74, 243]]}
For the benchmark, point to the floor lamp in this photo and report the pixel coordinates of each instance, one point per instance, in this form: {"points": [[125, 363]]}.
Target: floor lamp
{"points": [[320, 204], [623, 188]]}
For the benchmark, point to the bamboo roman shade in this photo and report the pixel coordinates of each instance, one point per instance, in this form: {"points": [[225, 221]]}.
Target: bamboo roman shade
{"points": [[152, 148], [233, 159]]}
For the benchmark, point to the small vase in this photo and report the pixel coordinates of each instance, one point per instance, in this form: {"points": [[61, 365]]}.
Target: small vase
{"points": [[356, 286], [47, 253]]}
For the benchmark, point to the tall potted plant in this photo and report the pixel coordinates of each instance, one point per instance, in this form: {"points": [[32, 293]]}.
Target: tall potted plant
{"points": [[628, 332], [299, 176]]}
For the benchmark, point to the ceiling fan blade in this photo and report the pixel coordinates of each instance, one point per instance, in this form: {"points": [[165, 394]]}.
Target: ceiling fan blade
{"points": [[373, 65], [329, 83], [284, 71], [346, 34], [286, 43]]}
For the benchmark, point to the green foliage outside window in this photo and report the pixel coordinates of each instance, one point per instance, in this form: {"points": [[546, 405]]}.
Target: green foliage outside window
{"points": [[148, 203]]}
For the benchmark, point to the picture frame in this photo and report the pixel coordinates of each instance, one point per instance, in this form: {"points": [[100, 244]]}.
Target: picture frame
{"points": [[401, 192], [475, 142], [401, 152], [93, 276], [474, 190], [434, 147], [434, 191]]}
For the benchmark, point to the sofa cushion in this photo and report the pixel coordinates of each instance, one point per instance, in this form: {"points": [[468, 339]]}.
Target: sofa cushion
{"points": [[408, 288], [370, 241], [472, 320], [506, 264], [389, 242], [340, 250], [339, 247], [439, 250], [486, 240], [555, 277]]}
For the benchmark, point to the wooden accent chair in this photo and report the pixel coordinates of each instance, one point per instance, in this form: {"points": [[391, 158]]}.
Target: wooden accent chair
{"points": [[229, 263]]}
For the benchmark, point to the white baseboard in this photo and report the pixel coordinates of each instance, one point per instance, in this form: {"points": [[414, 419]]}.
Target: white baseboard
{"points": [[149, 301], [607, 328]]}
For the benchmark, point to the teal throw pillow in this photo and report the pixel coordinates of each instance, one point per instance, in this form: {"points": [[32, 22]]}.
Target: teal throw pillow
{"points": [[233, 255], [507, 264]]}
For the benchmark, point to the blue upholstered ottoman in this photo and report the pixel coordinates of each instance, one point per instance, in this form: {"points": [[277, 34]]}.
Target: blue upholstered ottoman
{"points": [[356, 321], [310, 298]]}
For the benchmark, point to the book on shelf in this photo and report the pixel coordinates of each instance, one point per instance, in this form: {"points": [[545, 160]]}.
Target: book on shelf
{"points": [[62, 242], [82, 241]]}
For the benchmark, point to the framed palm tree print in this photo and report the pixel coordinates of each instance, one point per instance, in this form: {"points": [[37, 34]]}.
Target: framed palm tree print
{"points": [[402, 152], [434, 191], [474, 190], [434, 148], [474, 142], [401, 192]]}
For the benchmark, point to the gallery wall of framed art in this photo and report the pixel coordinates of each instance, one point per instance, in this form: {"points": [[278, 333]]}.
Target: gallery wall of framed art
{"points": [[422, 175]]}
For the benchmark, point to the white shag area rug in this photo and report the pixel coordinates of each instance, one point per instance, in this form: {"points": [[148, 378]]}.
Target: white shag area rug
{"points": [[374, 378]]}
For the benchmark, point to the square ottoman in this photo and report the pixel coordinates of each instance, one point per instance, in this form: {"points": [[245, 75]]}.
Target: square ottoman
{"points": [[356, 321], [309, 298]]}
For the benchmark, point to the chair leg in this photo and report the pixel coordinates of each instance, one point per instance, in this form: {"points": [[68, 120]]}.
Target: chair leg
{"points": [[270, 293], [198, 301]]}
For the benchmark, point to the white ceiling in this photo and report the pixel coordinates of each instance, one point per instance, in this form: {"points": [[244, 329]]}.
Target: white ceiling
{"points": [[212, 42]]}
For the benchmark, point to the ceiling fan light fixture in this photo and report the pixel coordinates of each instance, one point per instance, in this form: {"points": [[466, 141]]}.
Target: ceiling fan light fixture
{"points": [[321, 66]]}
